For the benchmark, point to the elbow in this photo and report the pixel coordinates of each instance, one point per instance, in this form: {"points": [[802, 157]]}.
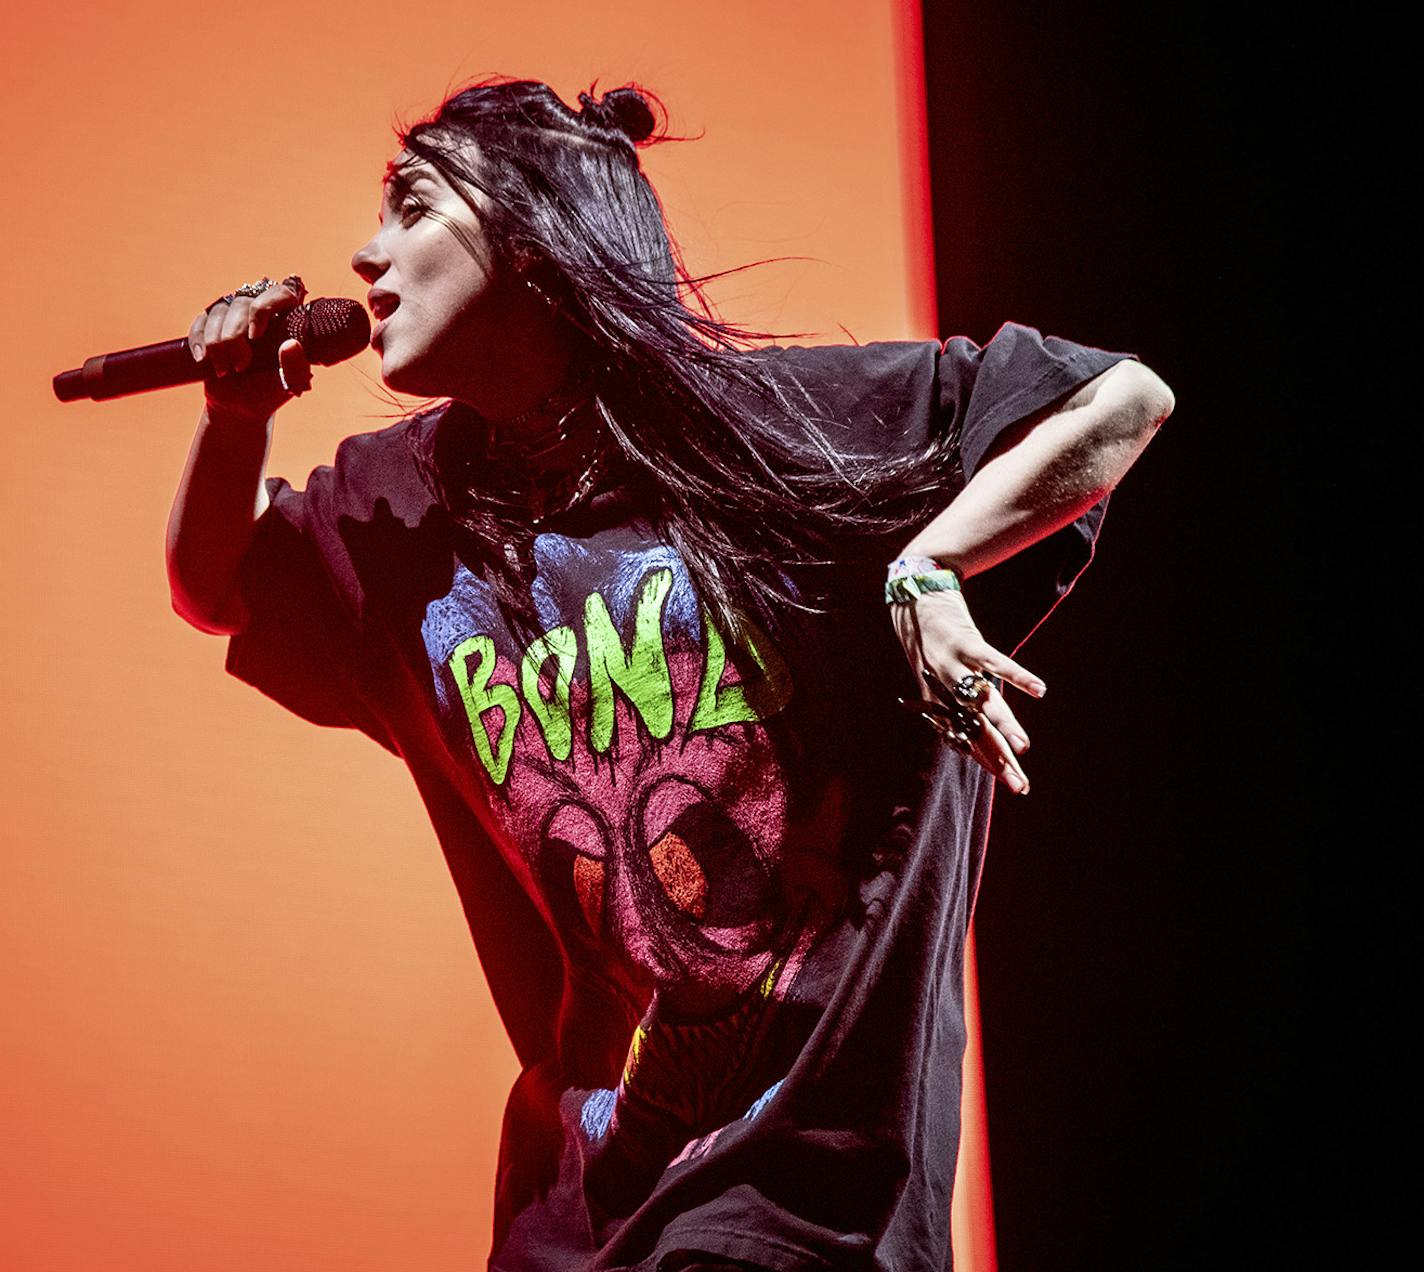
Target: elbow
{"points": [[1130, 403], [1159, 401], [1134, 402], [214, 619], [1127, 403], [211, 624], [1147, 398]]}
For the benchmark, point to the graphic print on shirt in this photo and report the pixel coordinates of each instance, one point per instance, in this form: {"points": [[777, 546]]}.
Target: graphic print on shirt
{"points": [[638, 765]]}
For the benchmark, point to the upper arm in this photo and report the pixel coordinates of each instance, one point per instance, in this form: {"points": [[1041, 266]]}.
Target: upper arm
{"points": [[1128, 401]]}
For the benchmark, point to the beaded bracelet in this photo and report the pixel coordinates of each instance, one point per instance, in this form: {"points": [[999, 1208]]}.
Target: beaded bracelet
{"points": [[911, 577]]}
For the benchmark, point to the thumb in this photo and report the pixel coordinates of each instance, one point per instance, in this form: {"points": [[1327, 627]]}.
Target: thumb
{"points": [[294, 367]]}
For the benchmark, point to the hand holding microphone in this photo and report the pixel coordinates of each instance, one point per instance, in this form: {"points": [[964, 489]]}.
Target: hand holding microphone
{"points": [[253, 348], [224, 336]]}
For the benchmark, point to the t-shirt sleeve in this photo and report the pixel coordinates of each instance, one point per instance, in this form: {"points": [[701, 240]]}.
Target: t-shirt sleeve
{"points": [[980, 393], [955, 399], [302, 645]]}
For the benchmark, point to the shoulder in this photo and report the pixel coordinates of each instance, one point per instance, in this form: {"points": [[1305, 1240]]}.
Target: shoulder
{"points": [[385, 448], [869, 401], [1025, 352], [851, 365], [879, 381], [379, 467]]}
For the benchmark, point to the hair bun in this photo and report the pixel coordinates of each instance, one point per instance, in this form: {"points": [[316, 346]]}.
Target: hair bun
{"points": [[625, 109]]}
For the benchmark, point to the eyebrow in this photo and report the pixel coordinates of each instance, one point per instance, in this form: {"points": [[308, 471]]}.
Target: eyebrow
{"points": [[400, 178]]}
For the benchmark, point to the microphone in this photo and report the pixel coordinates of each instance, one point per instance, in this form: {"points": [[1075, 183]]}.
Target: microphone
{"points": [[329, 330]]}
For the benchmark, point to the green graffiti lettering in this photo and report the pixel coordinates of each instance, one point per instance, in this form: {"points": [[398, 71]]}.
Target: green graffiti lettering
{"points": [[480, 697], [719, 704], [641, 673], [555, 722]]}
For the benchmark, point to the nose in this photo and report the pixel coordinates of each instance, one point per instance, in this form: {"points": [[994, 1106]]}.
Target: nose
{"points": [[370, 262]]}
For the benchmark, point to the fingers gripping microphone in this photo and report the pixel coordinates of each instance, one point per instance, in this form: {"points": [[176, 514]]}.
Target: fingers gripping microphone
{"points": [[329, 330]]}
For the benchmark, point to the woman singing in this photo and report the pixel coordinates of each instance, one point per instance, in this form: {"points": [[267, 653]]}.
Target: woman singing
{"points": [[672, 627]]}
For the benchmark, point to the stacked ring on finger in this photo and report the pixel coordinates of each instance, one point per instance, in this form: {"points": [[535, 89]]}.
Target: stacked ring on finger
{"points": [[247, 289], [293, 281], [956, 715], [970, 689], [255, 289]]}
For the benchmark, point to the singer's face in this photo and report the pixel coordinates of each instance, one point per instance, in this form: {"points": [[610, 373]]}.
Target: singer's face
{"points": [[440, 301]]}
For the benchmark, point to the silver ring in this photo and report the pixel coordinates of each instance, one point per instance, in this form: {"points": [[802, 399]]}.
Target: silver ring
{"points": [[972, 689], [247, 289], [255, 289]]}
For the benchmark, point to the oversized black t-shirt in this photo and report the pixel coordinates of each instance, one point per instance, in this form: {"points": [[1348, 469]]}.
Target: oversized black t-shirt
{"points": [[719, 886]]}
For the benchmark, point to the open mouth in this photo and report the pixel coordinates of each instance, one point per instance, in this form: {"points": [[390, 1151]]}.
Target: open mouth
{"points": [[383, 304]]}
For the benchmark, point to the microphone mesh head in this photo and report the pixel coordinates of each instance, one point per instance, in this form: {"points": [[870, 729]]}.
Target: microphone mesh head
{"points": [[331, 329]]}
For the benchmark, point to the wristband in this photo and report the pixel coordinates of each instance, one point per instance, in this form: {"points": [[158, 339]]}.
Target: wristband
{"points": [[911, 577]]}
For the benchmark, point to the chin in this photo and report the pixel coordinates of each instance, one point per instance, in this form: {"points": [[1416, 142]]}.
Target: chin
{"points": [[403, 377], [416, 374]]}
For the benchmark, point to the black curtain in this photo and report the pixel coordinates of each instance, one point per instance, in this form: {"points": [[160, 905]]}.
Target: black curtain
{"points": [[1122, 176]]}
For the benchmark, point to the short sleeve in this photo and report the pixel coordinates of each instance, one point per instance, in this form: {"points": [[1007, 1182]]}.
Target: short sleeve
{"points": [[301, 645], [980, 393], [953, 400]]}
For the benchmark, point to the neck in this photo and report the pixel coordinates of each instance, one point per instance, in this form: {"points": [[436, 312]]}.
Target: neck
{"points": [[552, 433], [536, 359]]}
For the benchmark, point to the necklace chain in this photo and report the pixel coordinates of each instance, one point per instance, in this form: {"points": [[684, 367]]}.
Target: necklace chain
{"points": [[561, 405], [507, 478]]}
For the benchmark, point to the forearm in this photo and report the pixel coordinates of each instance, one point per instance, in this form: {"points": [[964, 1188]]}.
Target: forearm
{"points": [[1048, 470], [220, 497]]}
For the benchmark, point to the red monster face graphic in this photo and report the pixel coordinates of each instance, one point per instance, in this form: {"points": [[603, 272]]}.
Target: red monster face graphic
{"points": [[667, 853], [643, 785]]}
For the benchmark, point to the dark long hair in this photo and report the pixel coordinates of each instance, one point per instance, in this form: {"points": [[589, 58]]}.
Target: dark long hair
{"points": [[741, 477]]}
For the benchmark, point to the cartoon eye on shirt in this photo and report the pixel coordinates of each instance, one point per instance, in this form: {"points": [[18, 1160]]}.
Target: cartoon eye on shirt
{"points": [[630, 762]]}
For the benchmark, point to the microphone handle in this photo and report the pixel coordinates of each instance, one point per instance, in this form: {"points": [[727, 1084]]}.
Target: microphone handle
{"points": [[155, 366]]}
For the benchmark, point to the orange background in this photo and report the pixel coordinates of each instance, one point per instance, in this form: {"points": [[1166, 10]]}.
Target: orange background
{"points": [[243, 1023]]}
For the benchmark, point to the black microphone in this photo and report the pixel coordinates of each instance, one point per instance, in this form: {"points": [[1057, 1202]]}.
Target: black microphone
{"points": [[329, 330]]}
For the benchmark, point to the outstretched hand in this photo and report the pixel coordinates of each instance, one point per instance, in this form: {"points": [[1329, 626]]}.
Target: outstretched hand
{"points": [[939, 635]]}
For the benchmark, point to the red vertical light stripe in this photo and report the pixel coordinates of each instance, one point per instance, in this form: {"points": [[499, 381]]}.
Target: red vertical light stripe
{"points": [[972, 1211], [915, 167]]}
